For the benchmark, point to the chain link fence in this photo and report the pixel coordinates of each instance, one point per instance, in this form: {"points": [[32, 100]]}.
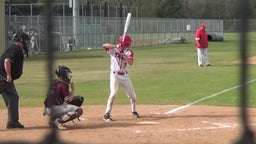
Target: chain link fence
{"points": [[91, 32]]}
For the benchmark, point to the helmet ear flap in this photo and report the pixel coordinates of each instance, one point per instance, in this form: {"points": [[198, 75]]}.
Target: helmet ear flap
{"points": [[127, 44]]}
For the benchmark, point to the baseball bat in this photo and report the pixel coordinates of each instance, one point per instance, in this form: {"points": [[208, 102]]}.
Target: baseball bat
{"points": [[127, 23]]}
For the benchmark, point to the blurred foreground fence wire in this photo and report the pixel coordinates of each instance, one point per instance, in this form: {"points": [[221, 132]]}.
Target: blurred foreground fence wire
{"points": [[52, 137], [247, 135]]}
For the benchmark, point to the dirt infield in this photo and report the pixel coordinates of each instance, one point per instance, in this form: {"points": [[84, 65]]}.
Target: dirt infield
{"points": [[193, 125], [250, 60]]}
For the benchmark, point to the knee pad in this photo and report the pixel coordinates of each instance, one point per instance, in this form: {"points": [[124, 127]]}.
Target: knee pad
{"points": [[71, 115], [79, 112]]}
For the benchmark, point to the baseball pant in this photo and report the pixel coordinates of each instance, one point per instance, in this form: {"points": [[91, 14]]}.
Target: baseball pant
{"points": [[61, 110], [126, 83], [11, 99], [202, 55]]}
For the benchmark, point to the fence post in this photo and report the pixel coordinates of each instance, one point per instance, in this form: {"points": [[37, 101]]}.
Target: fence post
{"points": [[2, 26]]}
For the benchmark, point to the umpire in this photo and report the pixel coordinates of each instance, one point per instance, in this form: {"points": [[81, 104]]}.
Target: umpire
{"points": [[11, 68]]}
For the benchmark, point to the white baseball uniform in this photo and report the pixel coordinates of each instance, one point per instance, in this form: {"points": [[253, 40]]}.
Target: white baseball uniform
{"points": [[119, 75]]}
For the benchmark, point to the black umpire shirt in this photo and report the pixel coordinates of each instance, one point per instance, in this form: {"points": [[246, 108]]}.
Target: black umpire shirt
{"points": [[15, 54]]}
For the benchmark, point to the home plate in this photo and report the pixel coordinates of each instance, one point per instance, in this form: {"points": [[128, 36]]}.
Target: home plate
{"points": [[148, 122], [82, 118]]}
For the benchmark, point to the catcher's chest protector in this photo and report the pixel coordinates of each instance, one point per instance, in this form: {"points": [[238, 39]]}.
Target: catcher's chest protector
{"points": [[47, 102]]}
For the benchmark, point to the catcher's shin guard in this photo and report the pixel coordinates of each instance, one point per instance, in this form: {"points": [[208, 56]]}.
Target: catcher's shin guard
{"points": [[72, 115]]}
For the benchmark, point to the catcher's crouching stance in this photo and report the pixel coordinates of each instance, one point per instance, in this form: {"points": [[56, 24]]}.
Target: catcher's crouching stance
{"points": [[60, 101]]}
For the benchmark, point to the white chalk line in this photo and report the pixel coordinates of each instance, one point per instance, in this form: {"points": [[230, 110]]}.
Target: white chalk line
{"points": [[208, 128], [216, 126], [205, 98], [213, 126]]}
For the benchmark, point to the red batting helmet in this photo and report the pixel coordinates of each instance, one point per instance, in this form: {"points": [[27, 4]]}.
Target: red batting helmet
{"points": [[127, 40]]}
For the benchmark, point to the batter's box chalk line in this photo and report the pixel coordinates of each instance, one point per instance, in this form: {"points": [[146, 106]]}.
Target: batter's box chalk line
{"points": [[213, 126], [148, 122]]}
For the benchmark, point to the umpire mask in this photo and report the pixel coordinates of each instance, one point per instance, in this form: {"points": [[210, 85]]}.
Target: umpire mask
{"points": [[23, 38]]}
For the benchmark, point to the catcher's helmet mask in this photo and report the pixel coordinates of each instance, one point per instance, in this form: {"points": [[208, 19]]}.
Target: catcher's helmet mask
{"points": [[23, 38], [64, 72]]}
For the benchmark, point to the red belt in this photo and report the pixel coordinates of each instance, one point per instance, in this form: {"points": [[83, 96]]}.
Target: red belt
{"points": [[120, 73]]}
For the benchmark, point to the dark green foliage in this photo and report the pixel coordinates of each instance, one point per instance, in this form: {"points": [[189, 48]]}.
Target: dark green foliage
{"points": [[170, 9], [203, 9], [20, 1]]}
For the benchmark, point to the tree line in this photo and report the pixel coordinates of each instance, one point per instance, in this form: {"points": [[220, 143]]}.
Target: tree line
{"points": [[203, 9]]}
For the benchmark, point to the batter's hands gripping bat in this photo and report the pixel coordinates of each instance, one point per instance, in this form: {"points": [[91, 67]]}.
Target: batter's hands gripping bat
{"points": [[126, 26]]}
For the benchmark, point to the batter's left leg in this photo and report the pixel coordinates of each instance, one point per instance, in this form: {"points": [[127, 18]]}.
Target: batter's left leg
{"points": [[130, 92]]}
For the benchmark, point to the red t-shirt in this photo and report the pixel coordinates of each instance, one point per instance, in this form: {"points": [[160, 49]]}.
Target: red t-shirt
{"points": [[202, 37]]}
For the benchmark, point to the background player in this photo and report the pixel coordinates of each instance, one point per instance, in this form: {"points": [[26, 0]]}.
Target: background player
{"points": [[201, 38], [120, 56]]}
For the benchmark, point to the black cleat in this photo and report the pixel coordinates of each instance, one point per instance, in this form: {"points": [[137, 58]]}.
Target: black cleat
{"points": [[14, 125], [135, 114], [107, 117]]}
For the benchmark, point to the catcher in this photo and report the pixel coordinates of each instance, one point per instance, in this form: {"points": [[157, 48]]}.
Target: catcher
{"points": [[60, 101]]}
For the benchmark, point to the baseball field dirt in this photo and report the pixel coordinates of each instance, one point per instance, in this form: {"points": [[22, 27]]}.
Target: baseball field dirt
{"points": [[192, 125]]}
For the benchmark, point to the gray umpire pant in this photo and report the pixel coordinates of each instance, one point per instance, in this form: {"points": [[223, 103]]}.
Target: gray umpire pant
{"points": [[11, 99]]}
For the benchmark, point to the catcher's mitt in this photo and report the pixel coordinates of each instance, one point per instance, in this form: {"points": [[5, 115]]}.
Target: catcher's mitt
{"points": [[77, 100]]}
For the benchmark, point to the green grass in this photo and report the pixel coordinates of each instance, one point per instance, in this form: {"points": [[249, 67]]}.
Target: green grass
{"points": [[164, 74]]}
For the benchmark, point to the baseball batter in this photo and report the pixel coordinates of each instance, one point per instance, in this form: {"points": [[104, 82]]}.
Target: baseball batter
{"points": [[120, 57]]}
